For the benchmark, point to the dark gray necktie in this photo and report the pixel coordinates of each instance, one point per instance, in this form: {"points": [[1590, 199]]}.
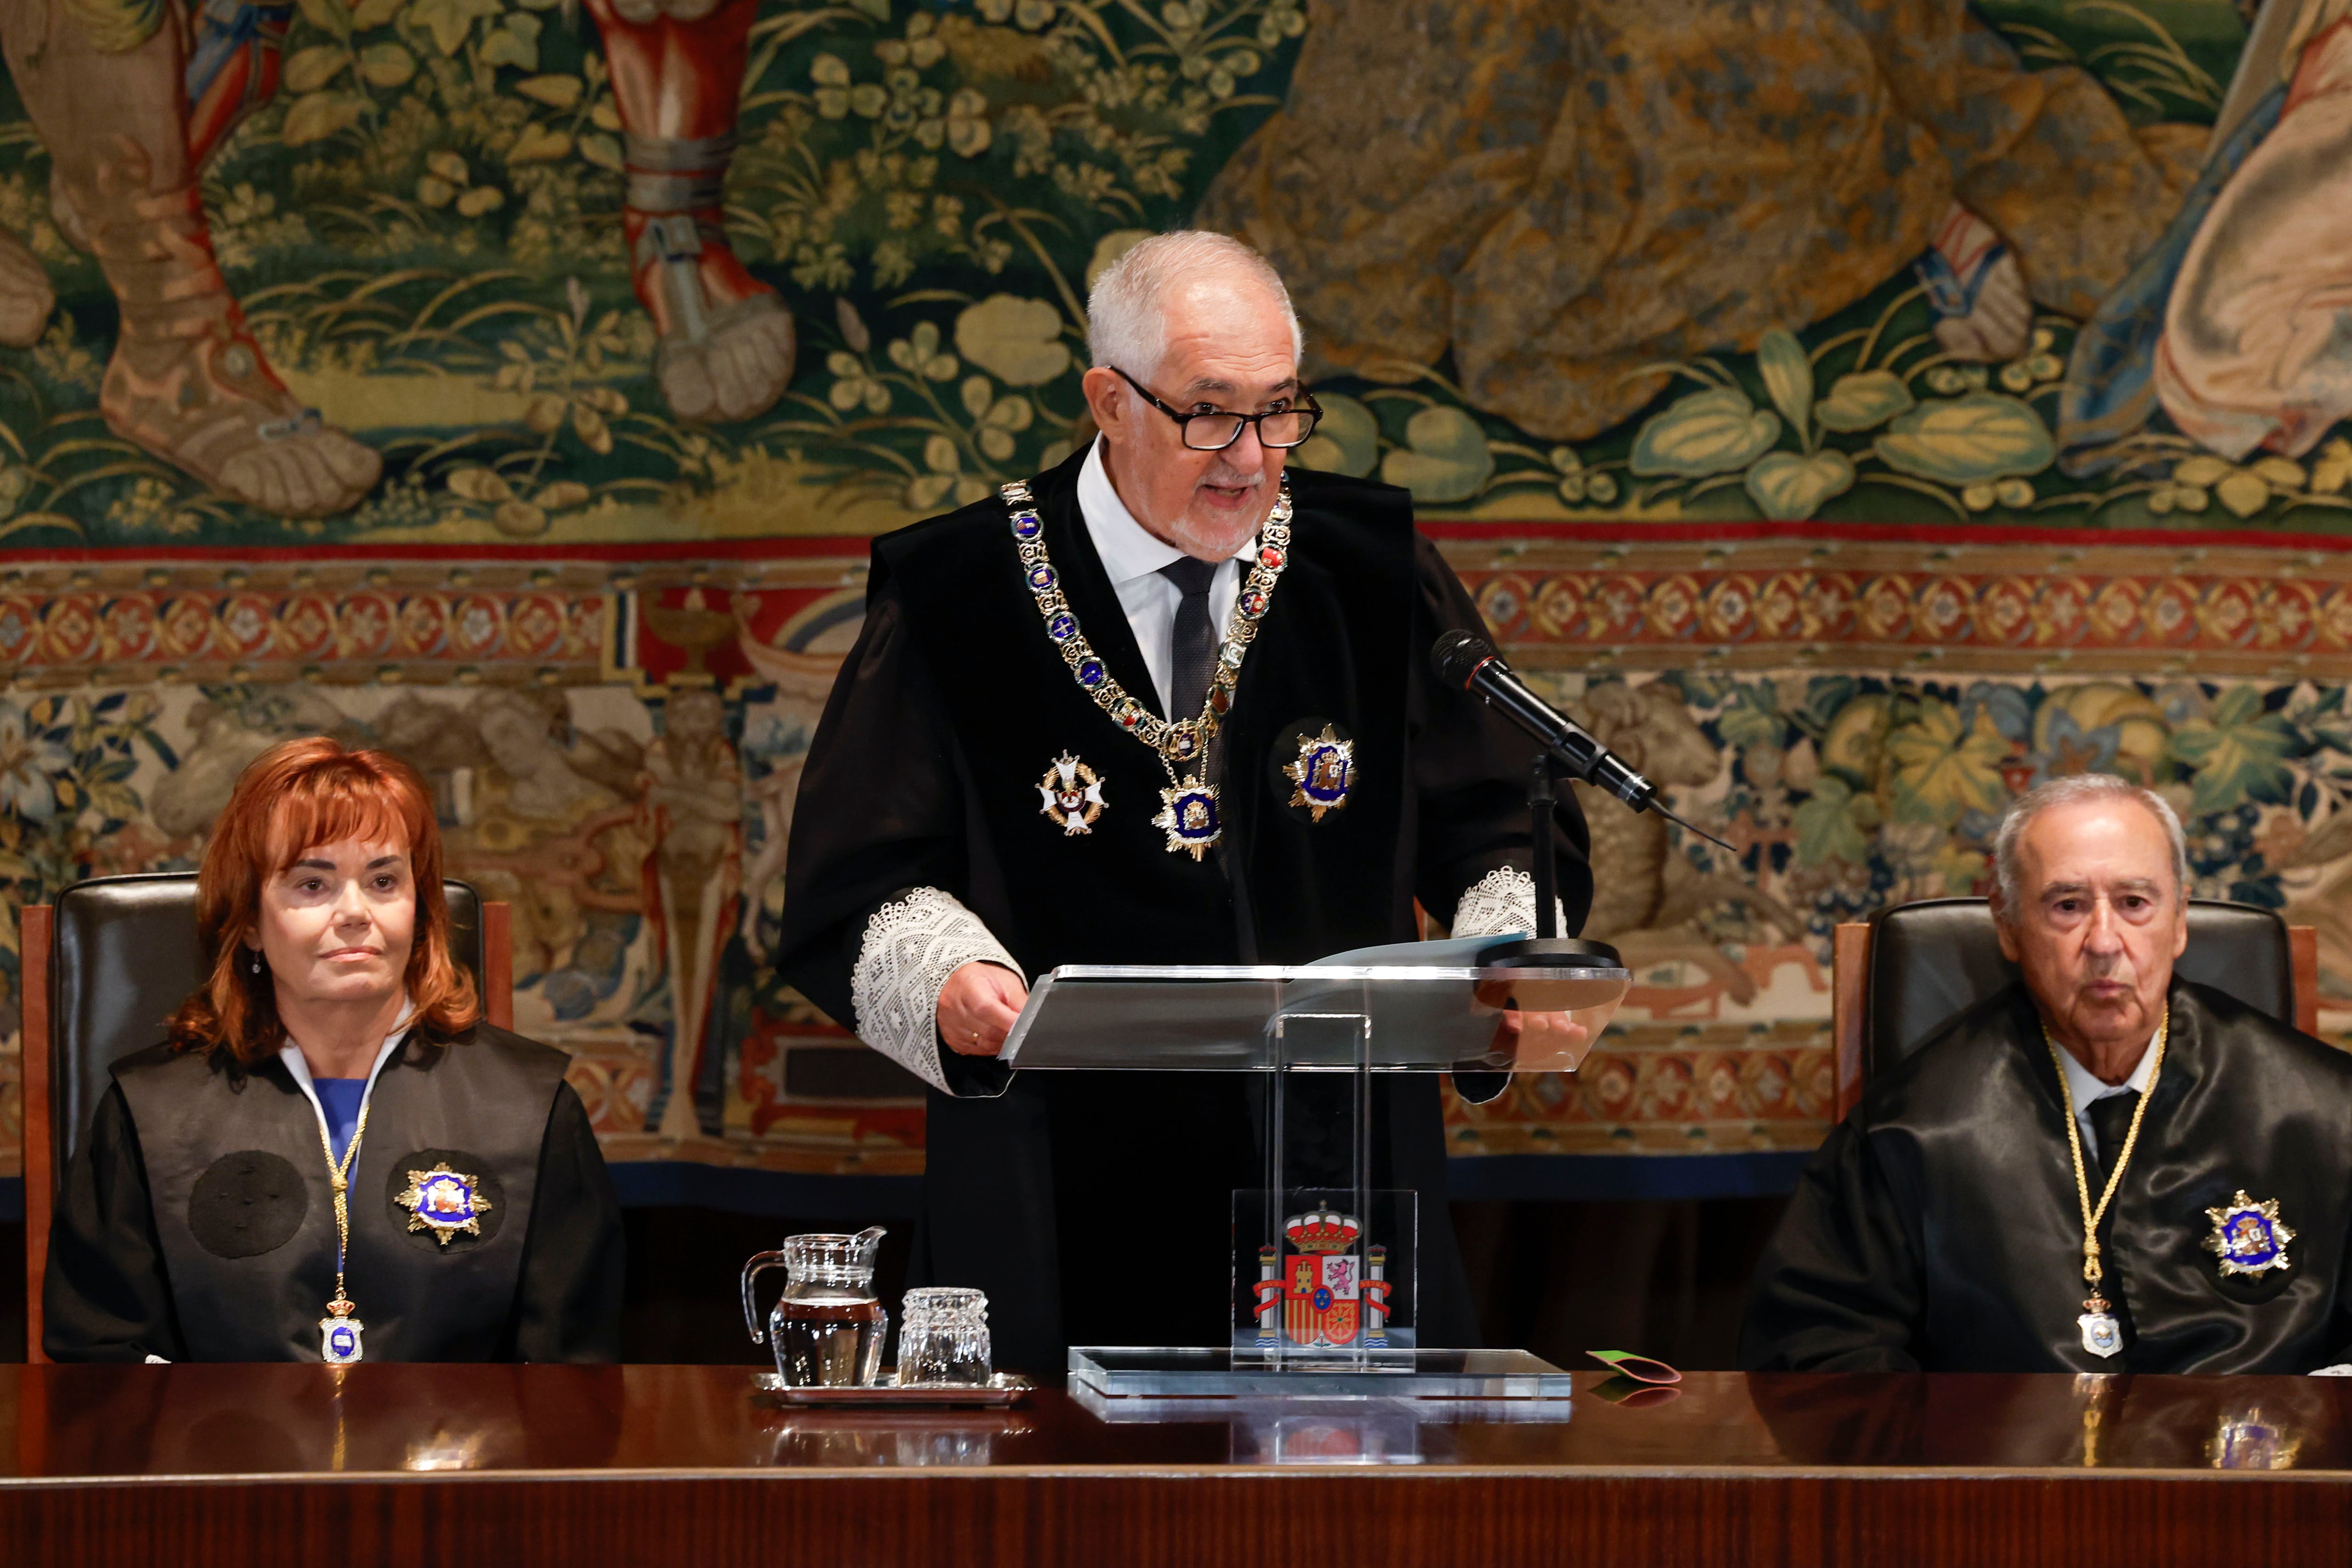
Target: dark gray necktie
{"points": [[1191, 647], [2111, 1118]]}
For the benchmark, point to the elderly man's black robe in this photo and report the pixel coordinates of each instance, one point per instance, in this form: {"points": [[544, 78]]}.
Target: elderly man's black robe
{"points": [[1938, 1229], [1095, 1208]]}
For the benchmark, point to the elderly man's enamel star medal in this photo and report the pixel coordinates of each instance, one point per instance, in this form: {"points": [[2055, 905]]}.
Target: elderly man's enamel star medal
{"points": [[2248, 1236], [1071, 794], [443, 1202], [1189, 812], [1325, 768]]}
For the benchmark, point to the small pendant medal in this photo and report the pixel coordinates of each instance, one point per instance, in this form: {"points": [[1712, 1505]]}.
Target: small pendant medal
{"points": [[1189, 816], [339, 1333], [2101, 1335]]}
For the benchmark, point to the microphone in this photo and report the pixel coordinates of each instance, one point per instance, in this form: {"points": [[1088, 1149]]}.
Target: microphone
{"points": [[1469, 661]]}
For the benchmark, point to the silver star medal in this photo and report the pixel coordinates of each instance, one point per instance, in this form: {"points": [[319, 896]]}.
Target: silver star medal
{"points": [[1071, 796]]}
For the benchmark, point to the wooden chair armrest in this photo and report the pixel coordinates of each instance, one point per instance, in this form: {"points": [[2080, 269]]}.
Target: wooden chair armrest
{"points": [[2302, 954], [1849, 989]]}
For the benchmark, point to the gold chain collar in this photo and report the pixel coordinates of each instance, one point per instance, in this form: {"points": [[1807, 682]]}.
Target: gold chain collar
{"points": [[1184, 741]]}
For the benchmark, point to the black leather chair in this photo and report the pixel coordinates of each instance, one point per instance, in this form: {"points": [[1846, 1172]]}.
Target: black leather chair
{"points": [[1916, 966], [104, 967]]}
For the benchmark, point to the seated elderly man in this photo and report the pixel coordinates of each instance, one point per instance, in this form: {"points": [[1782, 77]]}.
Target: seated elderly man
{"points": [[2102, 1169]]}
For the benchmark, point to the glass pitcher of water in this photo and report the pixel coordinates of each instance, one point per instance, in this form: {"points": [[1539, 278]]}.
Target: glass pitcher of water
{"points": [[828, 1327]]}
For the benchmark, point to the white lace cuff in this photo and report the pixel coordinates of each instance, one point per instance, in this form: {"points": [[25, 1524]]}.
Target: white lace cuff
{"points": [[911, 946], [1501, 901]]}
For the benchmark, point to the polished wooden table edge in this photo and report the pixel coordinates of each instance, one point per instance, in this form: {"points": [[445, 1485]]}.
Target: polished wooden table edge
{"points": [[981, 1475]]}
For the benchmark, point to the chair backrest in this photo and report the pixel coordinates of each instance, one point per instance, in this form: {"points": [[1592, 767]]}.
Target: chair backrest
{"points": [[123, 957], [1933, 960]]}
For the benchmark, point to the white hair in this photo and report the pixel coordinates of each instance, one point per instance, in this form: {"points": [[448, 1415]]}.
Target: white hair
{"points": [[1127, 317], [2078, 789]]}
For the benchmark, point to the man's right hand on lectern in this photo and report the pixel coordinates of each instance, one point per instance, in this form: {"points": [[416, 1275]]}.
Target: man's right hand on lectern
{"points": [[978, 1006]]}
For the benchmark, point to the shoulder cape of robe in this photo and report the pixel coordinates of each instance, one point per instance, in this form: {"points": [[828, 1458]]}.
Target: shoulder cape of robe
{"points": [[1939, 1229], [197, 1222], [1095, 1208]]}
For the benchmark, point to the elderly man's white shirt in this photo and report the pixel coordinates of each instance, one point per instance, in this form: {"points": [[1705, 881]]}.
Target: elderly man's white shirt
{"points": [[913, 944], [1132, 556], [2085, 1086]]}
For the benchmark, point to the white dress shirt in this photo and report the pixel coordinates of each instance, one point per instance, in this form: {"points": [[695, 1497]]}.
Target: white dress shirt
{"points": [[1132, 556], [2086, 1087]]}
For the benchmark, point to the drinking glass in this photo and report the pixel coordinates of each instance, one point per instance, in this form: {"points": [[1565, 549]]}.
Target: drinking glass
{"points": [[943, 1337]]}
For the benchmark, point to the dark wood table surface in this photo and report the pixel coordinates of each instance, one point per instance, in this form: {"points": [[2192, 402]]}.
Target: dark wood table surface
{"points": [[492, 1465]]}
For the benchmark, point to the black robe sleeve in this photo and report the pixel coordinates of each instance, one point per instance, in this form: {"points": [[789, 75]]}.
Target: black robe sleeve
{"points": [[880, 810], [106, 1296], [568, 1302], [1840, 1289], [1470, 769]]}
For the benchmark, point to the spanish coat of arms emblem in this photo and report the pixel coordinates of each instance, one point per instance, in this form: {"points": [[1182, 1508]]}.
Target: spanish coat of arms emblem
{"points": [[1325, 1300]]}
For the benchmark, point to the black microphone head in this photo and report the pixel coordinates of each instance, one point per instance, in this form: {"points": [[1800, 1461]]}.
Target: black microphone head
{"points": [[1457, 655]]}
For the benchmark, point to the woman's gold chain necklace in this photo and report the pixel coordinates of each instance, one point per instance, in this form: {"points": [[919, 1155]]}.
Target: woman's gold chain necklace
{"points": [[339, 1327]]}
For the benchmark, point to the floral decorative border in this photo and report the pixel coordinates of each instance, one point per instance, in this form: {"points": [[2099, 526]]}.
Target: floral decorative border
{"points": [[2282, 611]]}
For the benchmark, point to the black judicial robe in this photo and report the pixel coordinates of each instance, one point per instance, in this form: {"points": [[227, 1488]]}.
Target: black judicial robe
{"points": [[1095, 1208], [197, 1222], [1939, 1228]]}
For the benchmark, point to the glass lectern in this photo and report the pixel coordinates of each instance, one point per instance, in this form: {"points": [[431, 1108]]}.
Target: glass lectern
{"points": [[1325, 1265]]}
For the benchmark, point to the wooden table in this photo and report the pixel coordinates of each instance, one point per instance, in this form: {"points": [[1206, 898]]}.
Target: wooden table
{"points": [[578, 1466]]}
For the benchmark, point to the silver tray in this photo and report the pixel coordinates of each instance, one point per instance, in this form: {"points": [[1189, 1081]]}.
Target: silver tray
{"points": [[1004, 1388]]}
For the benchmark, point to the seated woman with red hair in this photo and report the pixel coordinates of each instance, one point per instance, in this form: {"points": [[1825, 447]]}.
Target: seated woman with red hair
{"points": [[333, 1156]]}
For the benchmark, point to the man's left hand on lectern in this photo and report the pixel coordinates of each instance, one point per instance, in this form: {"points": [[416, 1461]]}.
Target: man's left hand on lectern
{"points": [[978, 1006]]}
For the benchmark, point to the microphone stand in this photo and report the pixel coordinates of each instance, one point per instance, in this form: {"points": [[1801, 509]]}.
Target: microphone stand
{"points": [[1543, 859], [1547, 949]]}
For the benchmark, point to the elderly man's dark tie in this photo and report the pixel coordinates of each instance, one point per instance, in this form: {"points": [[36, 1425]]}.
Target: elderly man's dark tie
{"points": [[2111, 1118], [1192, 649]]}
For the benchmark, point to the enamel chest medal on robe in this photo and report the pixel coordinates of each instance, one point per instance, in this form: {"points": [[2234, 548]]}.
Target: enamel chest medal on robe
{"points": [[443, 1202], [1071, 796], [2248, 1236], [1325, 768]]}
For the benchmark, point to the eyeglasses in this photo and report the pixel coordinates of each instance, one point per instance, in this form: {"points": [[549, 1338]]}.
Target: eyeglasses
{"points": [[1215, 431]]}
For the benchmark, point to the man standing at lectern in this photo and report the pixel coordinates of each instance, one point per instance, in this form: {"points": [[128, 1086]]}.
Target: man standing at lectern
{"points": [[1167, 704]]}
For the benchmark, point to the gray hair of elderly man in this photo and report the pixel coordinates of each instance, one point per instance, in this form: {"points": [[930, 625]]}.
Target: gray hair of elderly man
{"points": [[2077, 789], [1126, 319]]}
